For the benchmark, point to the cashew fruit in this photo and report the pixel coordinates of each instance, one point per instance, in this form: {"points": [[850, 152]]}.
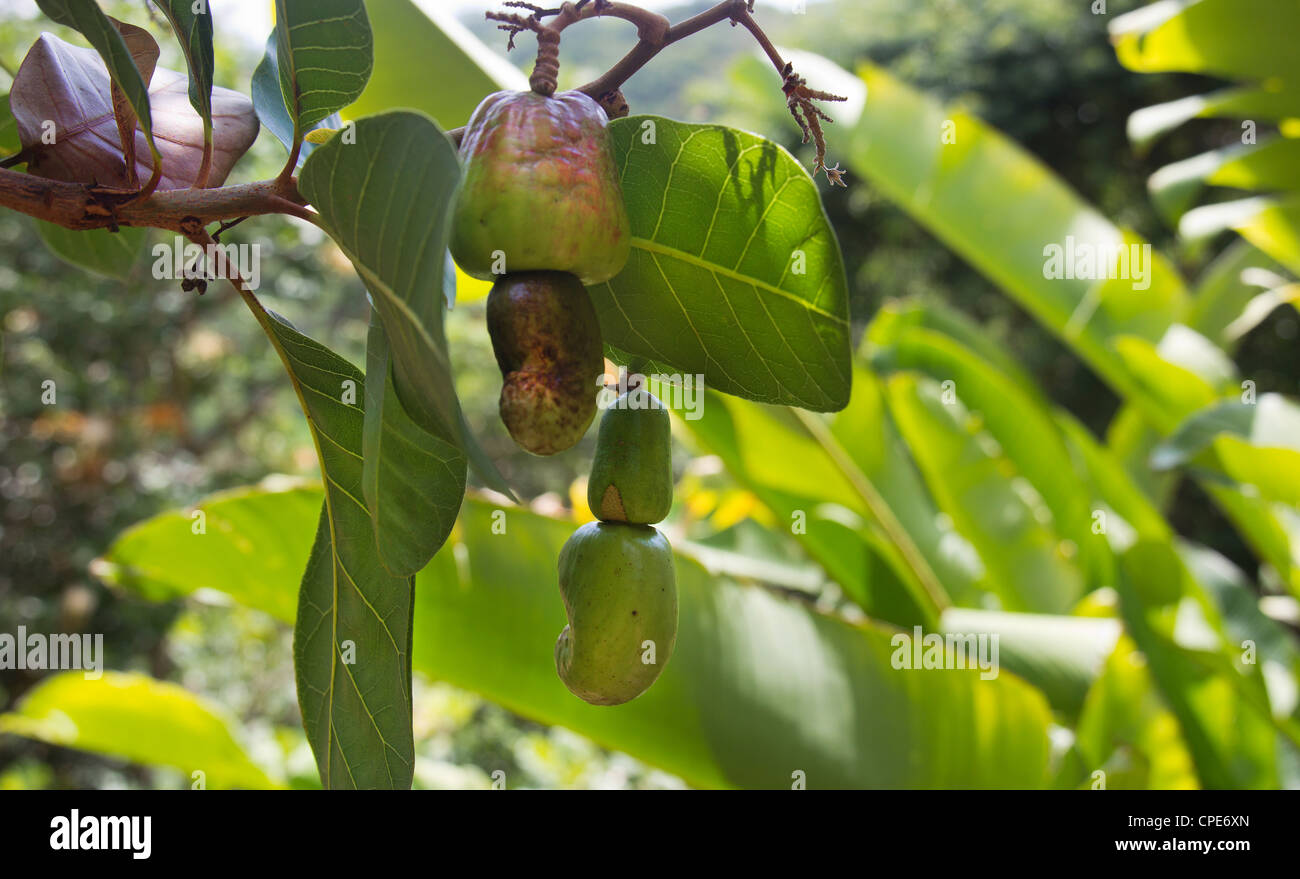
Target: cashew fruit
{"points": [[540, 188], [632, 474], [620, 595], [547, 342]]}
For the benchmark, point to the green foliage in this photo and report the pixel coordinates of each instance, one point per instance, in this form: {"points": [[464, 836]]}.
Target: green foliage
{"points": [[749, 670]]}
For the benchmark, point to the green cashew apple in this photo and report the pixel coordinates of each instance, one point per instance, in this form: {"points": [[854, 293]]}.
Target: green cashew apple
{"points": [[632, 474], [540, 189], [547, 342], [620, 594]]}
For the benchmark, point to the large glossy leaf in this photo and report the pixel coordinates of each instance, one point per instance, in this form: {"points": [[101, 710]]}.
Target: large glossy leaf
{"points": [[324, 53], [353, 632], [1131, 337], [759, 688], [413, 480], [961, 191], [1223, 714], [1224, 292], [69, 85], [136, 718], [1126, 737], [426, 37], [735, 273], [103, 251]]}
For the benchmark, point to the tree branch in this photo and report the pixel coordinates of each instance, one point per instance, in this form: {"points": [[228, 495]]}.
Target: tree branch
{"points": [[83, 206]]}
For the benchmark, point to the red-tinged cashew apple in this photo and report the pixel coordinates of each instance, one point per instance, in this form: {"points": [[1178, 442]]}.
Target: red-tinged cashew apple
{"points": [[540, 212]]}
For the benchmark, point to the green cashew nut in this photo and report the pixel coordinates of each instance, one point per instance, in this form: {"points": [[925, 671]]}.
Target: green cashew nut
{"points": [[620, 595], [632, 474], [547, 342], [540, 189]]}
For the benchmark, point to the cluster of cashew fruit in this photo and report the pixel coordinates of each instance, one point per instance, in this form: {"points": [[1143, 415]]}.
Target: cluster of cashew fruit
{"points": [[540, 214]]}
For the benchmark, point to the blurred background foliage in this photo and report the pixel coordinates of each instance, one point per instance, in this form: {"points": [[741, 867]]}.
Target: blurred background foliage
{"points": [[165, 396]]}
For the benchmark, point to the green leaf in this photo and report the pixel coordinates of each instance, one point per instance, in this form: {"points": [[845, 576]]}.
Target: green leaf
{"points": [[430, 40], [136, 718], [1271, 224], [143, 556], [413, 480], [353, 632], [324, 53], [105, 252], [735, 273], [1256, 443], [193, 31], [86, 17], [989, 502], [759, 687]]}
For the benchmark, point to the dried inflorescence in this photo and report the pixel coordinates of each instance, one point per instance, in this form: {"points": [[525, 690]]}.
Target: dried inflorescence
{"points": [[799, 99]]}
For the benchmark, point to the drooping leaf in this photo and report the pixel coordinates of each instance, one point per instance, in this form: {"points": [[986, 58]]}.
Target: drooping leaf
{"points": [[758, 689], [413, 481], [136, 718], [352, 638], [102, 251], [735, 273], [69, 86], [384, 200], [427, 38]]}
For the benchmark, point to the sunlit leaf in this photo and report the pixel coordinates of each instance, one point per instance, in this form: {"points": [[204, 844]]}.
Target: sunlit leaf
{"points": [[735, 273]]}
